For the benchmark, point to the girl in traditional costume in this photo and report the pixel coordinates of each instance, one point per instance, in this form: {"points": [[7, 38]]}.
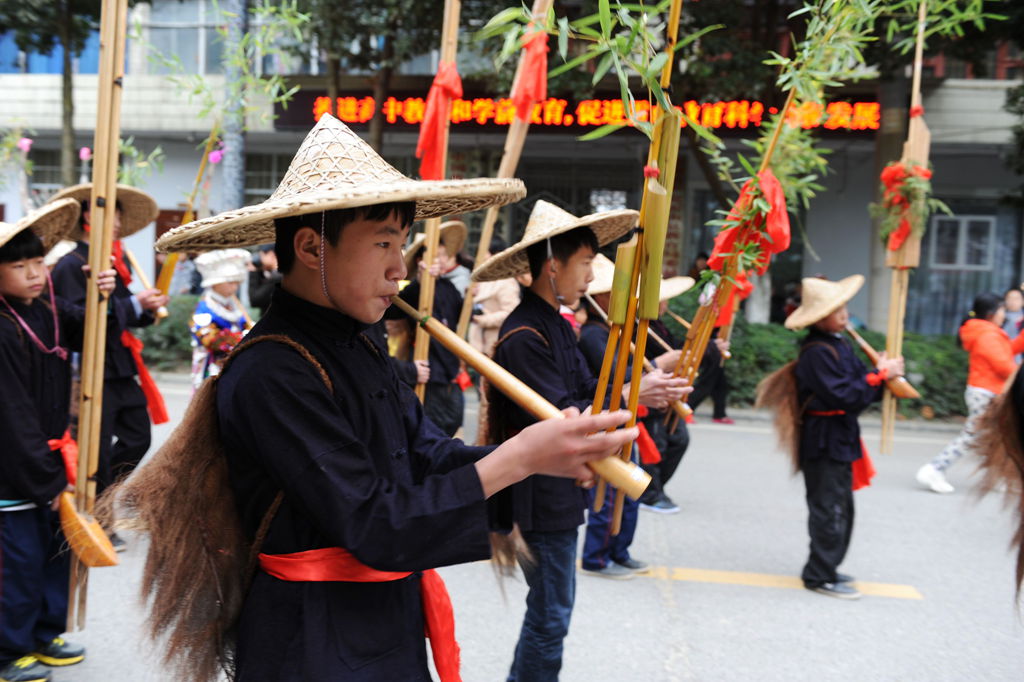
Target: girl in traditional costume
{"points": [[220, 320]]}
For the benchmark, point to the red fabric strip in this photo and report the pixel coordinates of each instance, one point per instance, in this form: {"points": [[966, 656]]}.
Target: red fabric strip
{"points": [[826, 413], [876, 378], [649, 453], [863, 469], [117, 251], [446, 87], [68, 452], [334, 564], [154, 401], [532, 85]]}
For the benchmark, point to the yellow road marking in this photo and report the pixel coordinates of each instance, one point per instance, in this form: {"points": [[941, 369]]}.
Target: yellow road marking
{"points": [[701, 575]]}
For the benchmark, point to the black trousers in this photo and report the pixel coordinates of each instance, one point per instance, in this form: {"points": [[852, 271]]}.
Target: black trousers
{"points": [[672, 447], [444, 404], [711, 381], [829, 517], [34, 566], [125, 430]]}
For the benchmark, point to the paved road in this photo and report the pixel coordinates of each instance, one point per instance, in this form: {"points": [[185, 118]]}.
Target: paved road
{"points": [[723, 603]]}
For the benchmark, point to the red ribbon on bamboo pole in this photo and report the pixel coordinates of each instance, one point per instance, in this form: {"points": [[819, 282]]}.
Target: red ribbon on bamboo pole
{"points": [[447, 86], [154, 400], [770, 230], [740, 292], [532, 85], [894, 198]]}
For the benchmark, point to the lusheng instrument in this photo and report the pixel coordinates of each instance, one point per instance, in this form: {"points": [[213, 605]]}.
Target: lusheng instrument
{"points": [[85, 536], [161, 312], [899, 386], [623, 475]]}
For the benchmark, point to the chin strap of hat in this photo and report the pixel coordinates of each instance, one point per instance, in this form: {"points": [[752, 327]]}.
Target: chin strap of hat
{"points": [[323, 261], [551, 278]]}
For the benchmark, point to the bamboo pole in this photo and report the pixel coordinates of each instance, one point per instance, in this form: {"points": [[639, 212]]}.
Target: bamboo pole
{"points": [[627, 477], [113, 30], [449, 46], [163, 280], [514, 142], [161, 312]]}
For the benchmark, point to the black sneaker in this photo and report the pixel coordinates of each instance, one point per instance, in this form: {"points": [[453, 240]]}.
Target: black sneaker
{"points": [[59, 653], [837, 590], [844, 578], [635, 565], [25, 669], [118, 542], [663, 505]]}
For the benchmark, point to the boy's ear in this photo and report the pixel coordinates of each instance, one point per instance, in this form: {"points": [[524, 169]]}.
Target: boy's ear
{"points": [[306, 244]]}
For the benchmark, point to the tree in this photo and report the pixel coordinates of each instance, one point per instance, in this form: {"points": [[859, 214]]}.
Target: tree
{"points": [[43, 25]]}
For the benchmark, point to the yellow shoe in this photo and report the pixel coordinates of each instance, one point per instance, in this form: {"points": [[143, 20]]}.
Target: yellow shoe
{"points": [[25, 669], [60, 653]]}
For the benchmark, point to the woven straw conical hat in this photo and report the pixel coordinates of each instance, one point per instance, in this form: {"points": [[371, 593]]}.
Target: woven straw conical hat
{"points": [[604, 272], [674, 286], [546, 221], [138, 209], [453, 236], [821, 298], [333, 169], [51, 223]]}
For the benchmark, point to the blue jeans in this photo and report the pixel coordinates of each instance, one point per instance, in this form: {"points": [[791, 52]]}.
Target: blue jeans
{"points": [[552, 581], [600, 546]]}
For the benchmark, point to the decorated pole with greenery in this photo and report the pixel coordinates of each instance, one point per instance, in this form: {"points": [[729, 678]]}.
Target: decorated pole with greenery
{"points": [[433, 153], [529, 86]]}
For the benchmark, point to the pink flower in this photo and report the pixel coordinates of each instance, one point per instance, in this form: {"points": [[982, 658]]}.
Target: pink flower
{"points": [[216, 156], [85, 154], [24, 144]]}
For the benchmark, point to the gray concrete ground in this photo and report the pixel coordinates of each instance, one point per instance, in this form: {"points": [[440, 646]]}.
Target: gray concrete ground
{"points": [[723, 602]]}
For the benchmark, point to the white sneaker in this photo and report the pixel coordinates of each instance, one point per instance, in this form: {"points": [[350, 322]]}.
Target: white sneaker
{"points": [[933, 479]]}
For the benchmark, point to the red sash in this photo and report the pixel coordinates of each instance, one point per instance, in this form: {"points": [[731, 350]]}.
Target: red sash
{"points": [[863, 469], [336, 564], [154, 401], [68, 452]]}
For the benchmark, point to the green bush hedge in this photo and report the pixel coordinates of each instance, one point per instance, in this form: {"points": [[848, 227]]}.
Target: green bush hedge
{"points": [[168, 343], [936, 365]]}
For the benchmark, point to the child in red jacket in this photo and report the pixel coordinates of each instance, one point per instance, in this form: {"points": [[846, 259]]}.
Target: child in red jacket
{"points": [[991, 365]]}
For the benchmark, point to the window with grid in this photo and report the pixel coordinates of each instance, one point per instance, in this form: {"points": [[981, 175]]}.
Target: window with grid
{"points": [[45, 177], [263, 173], [962, 242]]}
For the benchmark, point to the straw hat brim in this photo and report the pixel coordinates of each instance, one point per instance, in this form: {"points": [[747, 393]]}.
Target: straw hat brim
{"points": [[254, 225], [453, 236], [138, 209], [810, 312], [607, 227], [675, 286], [51, 223]]}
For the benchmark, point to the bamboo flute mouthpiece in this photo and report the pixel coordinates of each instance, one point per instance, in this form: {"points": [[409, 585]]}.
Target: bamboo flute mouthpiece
{"points": [[625, 476]]}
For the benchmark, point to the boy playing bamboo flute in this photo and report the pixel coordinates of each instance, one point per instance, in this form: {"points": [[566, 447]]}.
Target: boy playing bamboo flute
{"points": [[832, 388], [36, 331], [348, 495], [538, 345]]}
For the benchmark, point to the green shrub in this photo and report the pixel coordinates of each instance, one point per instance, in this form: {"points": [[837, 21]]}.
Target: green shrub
{"points": [[168, 343], [936, 365]]}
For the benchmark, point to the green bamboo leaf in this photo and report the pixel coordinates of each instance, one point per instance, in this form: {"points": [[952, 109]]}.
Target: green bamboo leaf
{"points": [[600, 132], [573, 63], [563, 37], [605, 13], [503, 17], [602, 68], [747, 166], [657, 64]]}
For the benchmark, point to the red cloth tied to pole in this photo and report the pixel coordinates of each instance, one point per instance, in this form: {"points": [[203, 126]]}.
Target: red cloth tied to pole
{"points": [[334, 564], [117, 252], [649, 453], [740, 292], [154, 401], [532, 85], [894, 197], [68, 452], [863, 469], [770, 230], [430, 148]]}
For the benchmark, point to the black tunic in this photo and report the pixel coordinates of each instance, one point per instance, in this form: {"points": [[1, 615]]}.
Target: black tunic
{"points": [[444, 365], [361, 469], [555, 368], [35, 392], [831, 378], [70, 283]]}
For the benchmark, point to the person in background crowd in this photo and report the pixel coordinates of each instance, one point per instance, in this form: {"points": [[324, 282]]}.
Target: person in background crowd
{"points": [[219, 320], [1013, 301], [990, 365], [700, 264], [128, 391], [712, 381], [492, 302], [263, 278]]}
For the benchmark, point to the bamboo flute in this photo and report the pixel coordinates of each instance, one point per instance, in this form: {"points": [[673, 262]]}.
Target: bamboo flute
{"points": [[914, 150], [899, 386], [449, 46], [113, 30], [514, 142], [679, 319], [627, 477], [163, 280], [161, 312]]}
